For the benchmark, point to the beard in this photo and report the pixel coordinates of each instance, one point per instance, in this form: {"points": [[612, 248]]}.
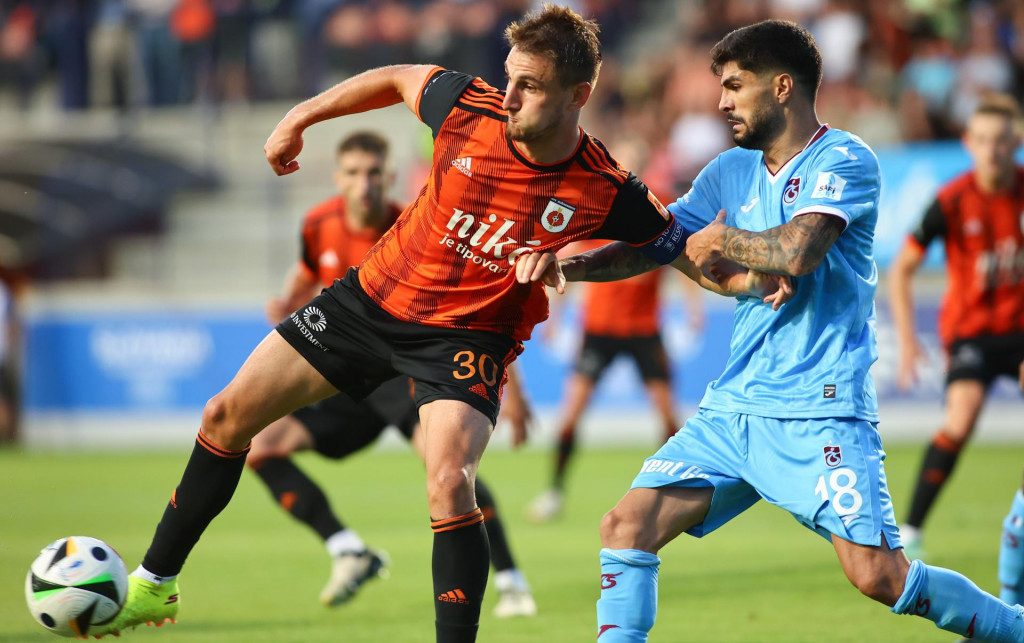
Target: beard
{"points": [[763, 127]]}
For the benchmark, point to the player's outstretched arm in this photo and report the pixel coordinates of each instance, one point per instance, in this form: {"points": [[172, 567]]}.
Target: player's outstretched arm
{"points": [[901, 302], [371, 89], [611, 262], [794, 248]]}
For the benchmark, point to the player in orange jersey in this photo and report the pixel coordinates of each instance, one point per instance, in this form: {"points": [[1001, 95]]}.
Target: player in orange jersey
{"points": [[619, 318], [447, 296], [981, 322], [336, 234]]}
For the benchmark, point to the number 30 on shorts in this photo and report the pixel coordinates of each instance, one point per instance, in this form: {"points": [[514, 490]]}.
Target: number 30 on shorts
{"points": [[470, 365], [845, 498]]}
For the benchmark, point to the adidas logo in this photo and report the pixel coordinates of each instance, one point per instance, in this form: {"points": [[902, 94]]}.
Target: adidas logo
{"points": [[454, 596], [480, 390], [464, 165]]}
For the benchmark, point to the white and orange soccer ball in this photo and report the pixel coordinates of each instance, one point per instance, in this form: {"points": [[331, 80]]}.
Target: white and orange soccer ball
{"points": [[75, 585]]}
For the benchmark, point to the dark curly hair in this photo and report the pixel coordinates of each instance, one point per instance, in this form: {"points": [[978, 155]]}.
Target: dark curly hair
{"points": [[772, 46]]}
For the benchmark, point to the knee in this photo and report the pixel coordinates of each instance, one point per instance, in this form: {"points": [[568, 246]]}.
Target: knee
{"points": [[219, 423], [446, 486], [618, 531]]}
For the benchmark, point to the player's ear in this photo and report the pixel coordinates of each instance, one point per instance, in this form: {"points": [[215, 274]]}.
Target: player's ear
{"points": [[581, 94], [783, 88]]}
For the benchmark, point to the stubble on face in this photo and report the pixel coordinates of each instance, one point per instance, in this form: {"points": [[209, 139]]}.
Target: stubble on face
{"points": [[765, 123]]}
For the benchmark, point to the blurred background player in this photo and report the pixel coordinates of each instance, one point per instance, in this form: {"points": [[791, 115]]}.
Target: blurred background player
{"points": [[336, 235], [618, 318], [981, 323], [9, 364], [1011, 553]]}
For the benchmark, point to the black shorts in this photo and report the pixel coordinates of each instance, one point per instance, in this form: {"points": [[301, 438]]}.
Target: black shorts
{"points": [[340, 425], [647, 351], [986, 357], [357, 346]]}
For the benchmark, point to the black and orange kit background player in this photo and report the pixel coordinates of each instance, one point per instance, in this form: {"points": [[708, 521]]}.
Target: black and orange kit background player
{"points": [[436, 298], [330, 246], [984, 300]]}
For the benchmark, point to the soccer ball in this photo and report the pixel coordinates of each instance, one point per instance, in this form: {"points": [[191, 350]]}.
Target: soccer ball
{"points": [[76, 584]]}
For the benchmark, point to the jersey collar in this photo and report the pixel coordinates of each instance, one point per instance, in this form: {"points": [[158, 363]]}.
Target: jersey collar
{"points": [[546, 167], [818, 134]]}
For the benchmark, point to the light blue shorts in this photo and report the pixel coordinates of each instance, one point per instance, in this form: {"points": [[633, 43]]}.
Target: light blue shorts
{"points": [[827, 472]]}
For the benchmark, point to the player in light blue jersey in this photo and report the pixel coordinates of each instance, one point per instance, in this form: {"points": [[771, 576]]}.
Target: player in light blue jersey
{"points": [[792, 419]]}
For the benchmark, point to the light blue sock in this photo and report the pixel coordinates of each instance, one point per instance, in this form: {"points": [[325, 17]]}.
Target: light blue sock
{"points": [[1011, 553], [957, 605], [629, 595]]}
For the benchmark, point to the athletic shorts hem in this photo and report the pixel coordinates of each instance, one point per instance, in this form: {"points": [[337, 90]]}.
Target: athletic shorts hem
{"points": [[489, 409]]}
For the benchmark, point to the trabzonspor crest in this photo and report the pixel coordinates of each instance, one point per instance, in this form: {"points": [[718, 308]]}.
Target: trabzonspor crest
{"points": [[792, 190], [833, 456], [556, 216]]}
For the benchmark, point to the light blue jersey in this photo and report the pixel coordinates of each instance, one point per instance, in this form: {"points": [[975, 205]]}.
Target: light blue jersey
{"points": [[811, 358]]}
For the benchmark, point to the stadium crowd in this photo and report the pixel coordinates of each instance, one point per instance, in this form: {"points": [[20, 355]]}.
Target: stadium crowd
{"points": [[890, 68]]}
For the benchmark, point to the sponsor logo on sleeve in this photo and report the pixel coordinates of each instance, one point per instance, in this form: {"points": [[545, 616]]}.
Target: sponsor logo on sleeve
{"points": [[829, 186], [556, 215], [845, 151]]}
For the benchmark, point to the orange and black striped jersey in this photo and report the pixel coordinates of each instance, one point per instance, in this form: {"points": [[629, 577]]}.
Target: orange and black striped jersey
{"points": [[984, 238], [449, 260], [627, 308], [329, 244]]}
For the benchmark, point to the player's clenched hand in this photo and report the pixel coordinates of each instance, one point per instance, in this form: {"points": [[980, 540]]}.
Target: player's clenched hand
{"points": [[540, 266], [704, 247], [772, 289], [283, 147]]}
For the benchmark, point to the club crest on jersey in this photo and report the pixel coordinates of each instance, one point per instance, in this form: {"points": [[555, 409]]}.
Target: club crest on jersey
{"points": [[833, 456], [556, 216], [792, 190]]}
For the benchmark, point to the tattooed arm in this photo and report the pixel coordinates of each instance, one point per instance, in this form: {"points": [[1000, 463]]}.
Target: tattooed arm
{"points": [[619, 260], [612, 262], [794, 248]]}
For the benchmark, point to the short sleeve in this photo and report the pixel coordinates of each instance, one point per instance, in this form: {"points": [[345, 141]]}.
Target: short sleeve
{"points": [[699, 206], [438, 96], [933, 224], [637, 217], [845, 182]]}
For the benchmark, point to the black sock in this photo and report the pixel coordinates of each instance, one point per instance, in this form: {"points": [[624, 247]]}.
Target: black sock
{"points": [[501, 555], [939, 459], [460, 575], [207, 485], [299, 495], [566, 446]]}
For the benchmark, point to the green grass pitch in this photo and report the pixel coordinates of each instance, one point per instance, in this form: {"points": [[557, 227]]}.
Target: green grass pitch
{"points": [[256, 574]]}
